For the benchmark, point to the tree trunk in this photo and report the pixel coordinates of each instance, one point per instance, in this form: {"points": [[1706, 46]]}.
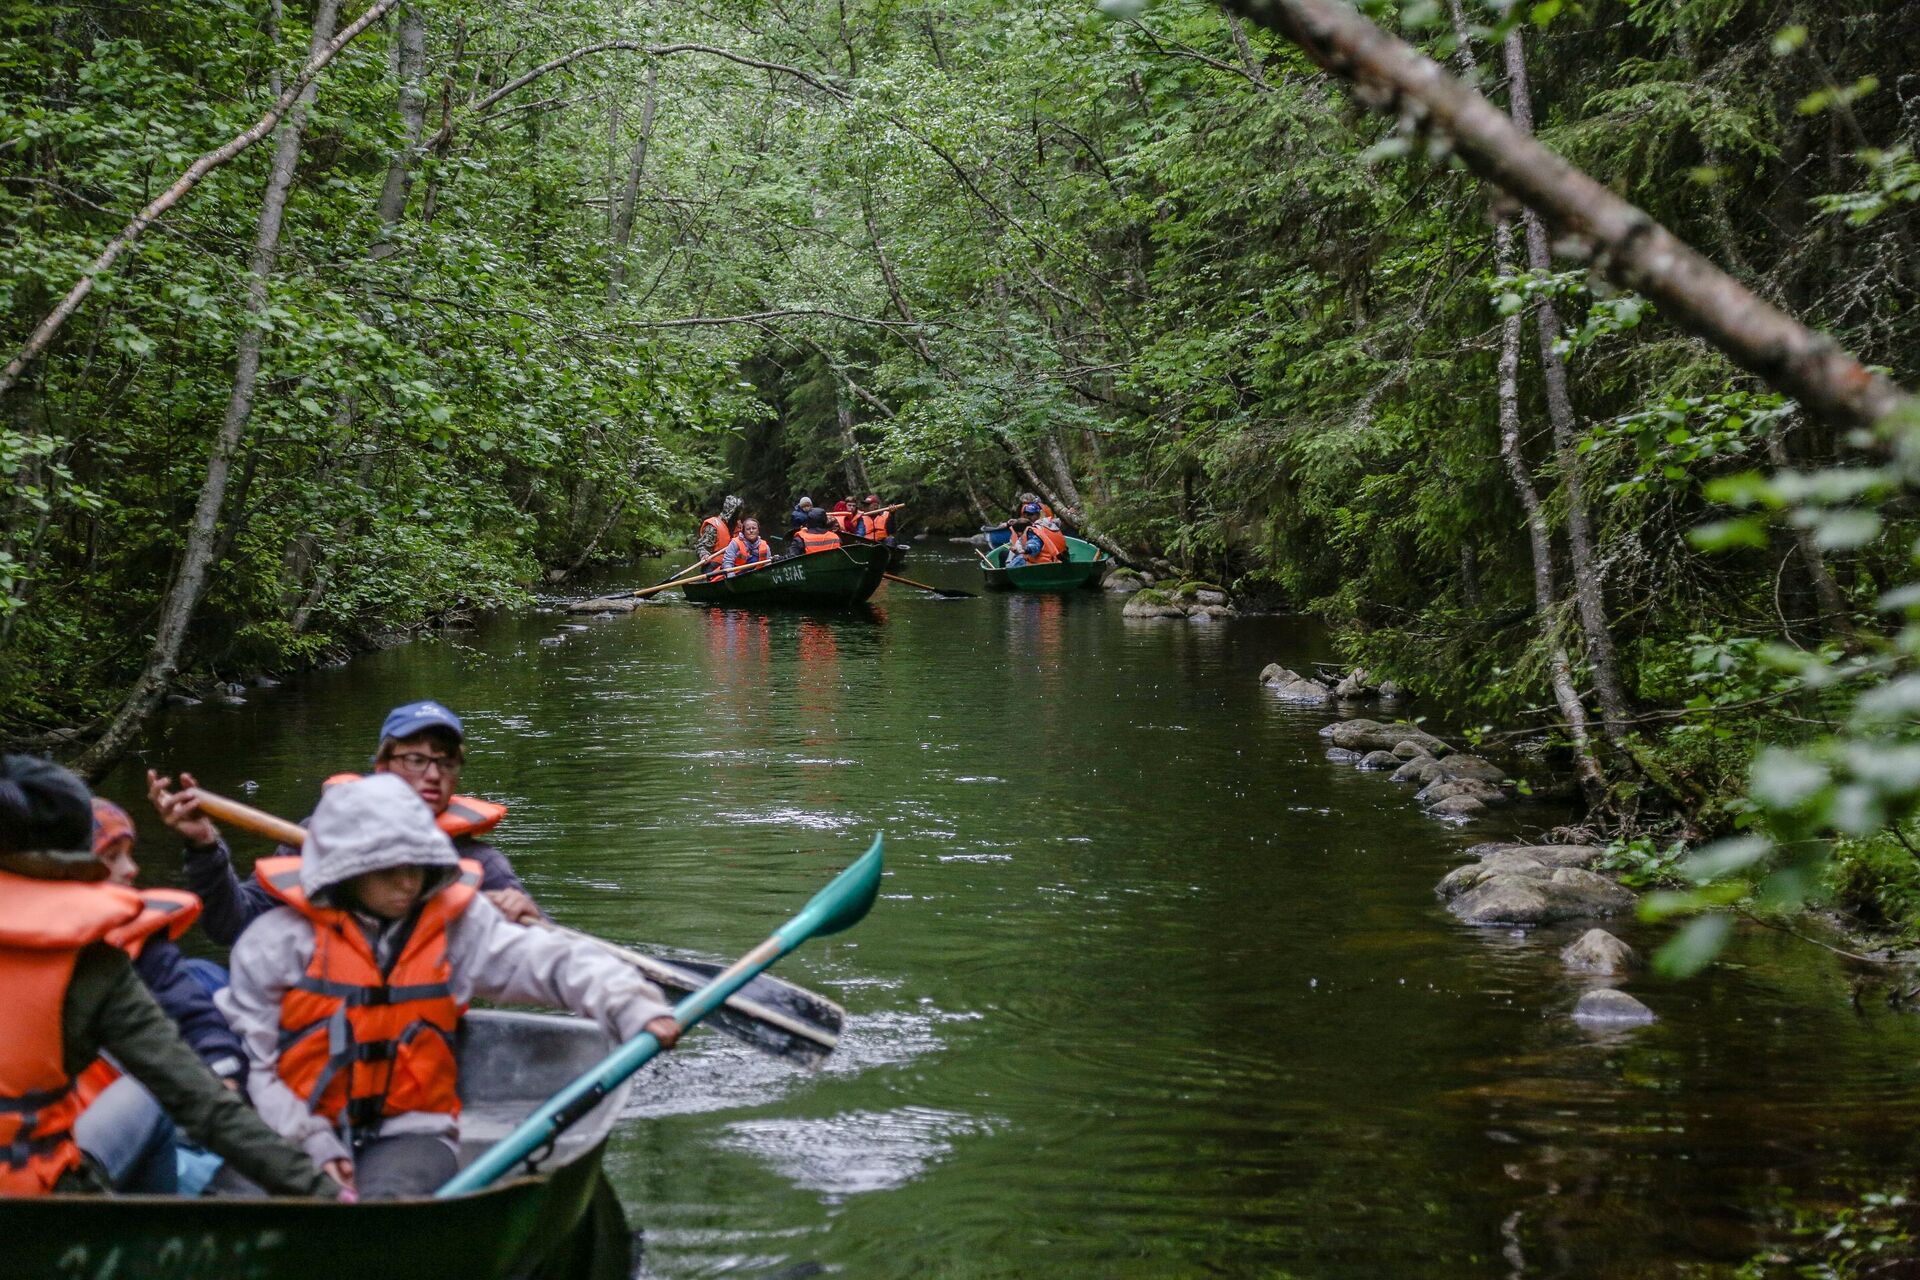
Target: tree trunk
{"points": [[630, 197], [190, 581], [409, 70], [1628, 245], [1589, 592], [855, 464]]}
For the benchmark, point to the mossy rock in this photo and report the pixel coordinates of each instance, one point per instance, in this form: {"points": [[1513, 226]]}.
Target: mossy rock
{"points": [[1152, 595], [1124, 572]]}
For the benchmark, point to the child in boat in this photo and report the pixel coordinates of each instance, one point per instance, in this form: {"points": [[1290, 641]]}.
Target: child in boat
{"points": [[123, 1127], [348, 994], [72, 995]]}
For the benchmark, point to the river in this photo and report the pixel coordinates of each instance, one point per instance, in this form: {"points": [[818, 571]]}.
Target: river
{"points": [[1153, 989]]}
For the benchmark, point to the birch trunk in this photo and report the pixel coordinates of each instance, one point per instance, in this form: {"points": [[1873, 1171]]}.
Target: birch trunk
{"points": [[190, 580], [630, 196]]}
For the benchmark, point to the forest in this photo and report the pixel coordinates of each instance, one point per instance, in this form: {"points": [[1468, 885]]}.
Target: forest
{"points": [[501, 294]]}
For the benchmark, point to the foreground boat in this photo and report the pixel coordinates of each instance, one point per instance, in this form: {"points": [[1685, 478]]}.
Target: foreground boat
{"points": [[824, 579], [562, 1222], [1084, 566]]}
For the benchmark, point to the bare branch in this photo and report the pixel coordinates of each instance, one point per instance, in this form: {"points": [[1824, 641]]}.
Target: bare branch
{"points": [[761, 317]]}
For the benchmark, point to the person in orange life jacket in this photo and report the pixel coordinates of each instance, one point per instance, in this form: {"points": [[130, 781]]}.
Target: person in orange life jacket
{"points": [[421, 743], [872, 523], [716, 531], [747, 548], [1054, 543], [348, 992], [72, 995], [1024, 546], [815, 536], [840, 515]]}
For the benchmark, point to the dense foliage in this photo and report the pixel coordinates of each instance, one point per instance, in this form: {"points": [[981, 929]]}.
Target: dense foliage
{"points": [[1148, 262]]}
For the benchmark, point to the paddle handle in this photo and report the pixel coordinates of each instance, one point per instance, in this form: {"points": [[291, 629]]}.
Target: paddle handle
{"points": [[248, 818]]}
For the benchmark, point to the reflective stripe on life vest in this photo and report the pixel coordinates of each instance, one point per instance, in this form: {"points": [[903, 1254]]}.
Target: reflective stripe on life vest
{"points": [[812, 540], [44, 924], [172, 910], [360, 1045], [464, 815]]}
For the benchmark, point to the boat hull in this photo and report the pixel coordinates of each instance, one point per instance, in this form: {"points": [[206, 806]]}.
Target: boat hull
{"points": [[836, 579], [1085, 565], [532, 1226]]}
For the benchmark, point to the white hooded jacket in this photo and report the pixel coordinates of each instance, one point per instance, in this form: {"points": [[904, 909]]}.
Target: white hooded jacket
{"points": [[370, 825]]}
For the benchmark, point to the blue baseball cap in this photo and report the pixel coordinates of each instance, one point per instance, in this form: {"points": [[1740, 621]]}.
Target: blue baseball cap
{"points": [[418, 717]]}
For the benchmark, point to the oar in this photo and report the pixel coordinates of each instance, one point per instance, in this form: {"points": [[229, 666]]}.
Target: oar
{"points": [[771, 1014], [838, 907], [949, 593]]}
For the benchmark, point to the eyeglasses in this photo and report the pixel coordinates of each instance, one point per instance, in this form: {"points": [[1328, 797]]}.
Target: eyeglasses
{"points": [[418, 762]]}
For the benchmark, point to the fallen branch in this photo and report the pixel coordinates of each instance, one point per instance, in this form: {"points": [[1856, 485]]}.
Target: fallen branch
{"points": [[186, 182], [1628, 245]]}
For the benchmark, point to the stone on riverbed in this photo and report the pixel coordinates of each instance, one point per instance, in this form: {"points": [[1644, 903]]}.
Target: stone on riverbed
{"points": [[1290, 686], [1123, 582], [1420, 769], [1496, 853], [1371, 735], [1409, 751], [1458, 809], [1609, 1008], [1598, 951], [1378, 760], [1151, 603], [1443, 789], [1525, 892], [605, 604], [1456, 768]]}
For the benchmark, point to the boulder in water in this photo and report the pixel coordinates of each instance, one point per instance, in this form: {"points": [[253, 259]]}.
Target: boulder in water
{"points": [[1384, 760], [1609, 1008], [1537, 895], [1458, 809], [1597, 951], [1409, 751]]}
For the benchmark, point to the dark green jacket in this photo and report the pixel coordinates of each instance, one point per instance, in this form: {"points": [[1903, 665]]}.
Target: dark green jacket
{"points": [[109, 1008]]}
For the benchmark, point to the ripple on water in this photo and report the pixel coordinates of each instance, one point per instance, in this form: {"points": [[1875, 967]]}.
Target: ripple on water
{"points": [[857, 1151]]}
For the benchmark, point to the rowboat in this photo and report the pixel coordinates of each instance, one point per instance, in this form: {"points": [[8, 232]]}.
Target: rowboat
{"points": [[1083, 567], [830, 579], [562, 1221]]}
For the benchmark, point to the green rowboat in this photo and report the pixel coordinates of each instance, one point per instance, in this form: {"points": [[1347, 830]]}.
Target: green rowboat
{"points": [[562, 1222], [1084, 566], [824, 579]]}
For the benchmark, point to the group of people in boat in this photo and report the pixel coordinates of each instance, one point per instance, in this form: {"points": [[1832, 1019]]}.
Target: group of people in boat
{"points": [[321, 1061], [731, 541], [1034, 535]]}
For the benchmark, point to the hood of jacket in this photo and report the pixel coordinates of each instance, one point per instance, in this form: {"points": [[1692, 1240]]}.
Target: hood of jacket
{"points": [[370, 825]]}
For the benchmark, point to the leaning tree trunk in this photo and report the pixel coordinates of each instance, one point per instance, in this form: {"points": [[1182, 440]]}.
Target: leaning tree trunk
{"points": [[630, 197], [1589, 592], [190, 580]]}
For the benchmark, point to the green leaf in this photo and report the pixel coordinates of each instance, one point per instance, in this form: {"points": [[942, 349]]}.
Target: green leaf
{"points": [[1724, 535], [1694, 947]]}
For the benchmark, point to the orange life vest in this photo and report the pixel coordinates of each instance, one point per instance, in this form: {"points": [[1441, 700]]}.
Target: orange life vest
{"points": [[743, 555], [812, 540], [874, 524], [171, 910], [360, 1045], [1053, 545], [722, 535], [841, 520], [44, 924], [464, 815]]}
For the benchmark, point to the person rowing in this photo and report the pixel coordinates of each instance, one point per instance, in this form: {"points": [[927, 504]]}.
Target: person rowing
{"points": [[716, 531], [423, 744], [874, 523]]}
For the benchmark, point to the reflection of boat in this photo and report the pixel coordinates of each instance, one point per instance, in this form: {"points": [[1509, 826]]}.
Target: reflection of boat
{"points": [[561, 1222], [833, 579], [1084, 565]]}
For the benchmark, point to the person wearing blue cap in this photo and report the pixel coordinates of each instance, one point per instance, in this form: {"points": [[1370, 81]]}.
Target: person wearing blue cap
{"points": [[421, 743]]}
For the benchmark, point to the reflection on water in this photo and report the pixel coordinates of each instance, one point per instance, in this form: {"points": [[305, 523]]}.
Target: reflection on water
{"points": [[1153, 987]]}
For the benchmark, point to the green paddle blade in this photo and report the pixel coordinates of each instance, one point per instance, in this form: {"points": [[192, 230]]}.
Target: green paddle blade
{"points": [[842, 904]]}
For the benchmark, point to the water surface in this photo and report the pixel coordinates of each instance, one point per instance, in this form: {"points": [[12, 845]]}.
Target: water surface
{"points": [[1154, 988]]}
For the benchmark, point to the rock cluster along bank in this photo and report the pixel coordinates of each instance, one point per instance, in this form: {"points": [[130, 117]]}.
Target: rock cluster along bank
{"points": [[1194, 601], [1528, 885], [1454, 785]]}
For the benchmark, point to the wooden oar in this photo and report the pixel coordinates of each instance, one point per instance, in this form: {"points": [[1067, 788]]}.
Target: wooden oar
{"points": [[771, 1014], [950, 593], [838, 907]]}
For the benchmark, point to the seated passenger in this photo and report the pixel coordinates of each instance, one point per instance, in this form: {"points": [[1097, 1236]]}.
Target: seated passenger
{"points": [[72, 995], [802, 514], [840, 515], [1053, 543], [348, 993], [874, 523], [1023, 544], [815, 536], [123, 1126], [748, 548], [423, 744]]}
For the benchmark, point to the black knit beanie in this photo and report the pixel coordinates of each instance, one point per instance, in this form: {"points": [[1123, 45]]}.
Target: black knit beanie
{"points": [[43, 808]]}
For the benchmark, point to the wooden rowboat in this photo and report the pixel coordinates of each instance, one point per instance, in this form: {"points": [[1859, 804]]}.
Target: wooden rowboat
{"points": [[1084, 566], [823, 579], [563, 1221]]}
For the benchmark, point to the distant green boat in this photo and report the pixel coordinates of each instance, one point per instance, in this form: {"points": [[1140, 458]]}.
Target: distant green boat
{"points": [[1084, 566], [824, 579]]}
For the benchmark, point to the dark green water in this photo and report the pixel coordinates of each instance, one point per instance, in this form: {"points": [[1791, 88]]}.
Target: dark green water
{"points": [[1154, 988]]}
